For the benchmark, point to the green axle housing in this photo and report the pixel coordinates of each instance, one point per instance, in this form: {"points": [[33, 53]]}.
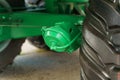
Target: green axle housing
{"points": [[60, 29], [63, 37]]}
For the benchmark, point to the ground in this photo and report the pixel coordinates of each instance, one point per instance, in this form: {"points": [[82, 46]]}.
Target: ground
{"points": [[35, 64]]}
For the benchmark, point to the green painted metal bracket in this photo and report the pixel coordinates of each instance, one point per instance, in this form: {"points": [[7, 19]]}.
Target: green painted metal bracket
{"points": [[54, 6], [60, 28], [25, 24]]}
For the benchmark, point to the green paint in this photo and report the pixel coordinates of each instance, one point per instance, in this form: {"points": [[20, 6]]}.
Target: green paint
{"points": [[60, 29]]}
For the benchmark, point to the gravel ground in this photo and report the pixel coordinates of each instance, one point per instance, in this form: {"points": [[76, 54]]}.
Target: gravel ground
{"points": [[35, 64]]}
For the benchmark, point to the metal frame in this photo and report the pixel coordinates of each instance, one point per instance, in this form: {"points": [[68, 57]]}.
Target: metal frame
{"points": [[24, 24]]}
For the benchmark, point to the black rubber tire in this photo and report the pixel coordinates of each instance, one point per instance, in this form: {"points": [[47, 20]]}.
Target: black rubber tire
{"points": [[100, 51], [10, 52], [38, 42]]}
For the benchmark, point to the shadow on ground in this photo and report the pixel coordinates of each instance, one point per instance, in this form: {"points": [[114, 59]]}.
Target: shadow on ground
{"points": [[34, 64]]}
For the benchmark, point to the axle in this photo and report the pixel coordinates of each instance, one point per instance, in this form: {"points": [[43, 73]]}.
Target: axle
{"points": [[60, 29]]}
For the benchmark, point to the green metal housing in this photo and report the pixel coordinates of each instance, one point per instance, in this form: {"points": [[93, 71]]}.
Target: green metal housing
{"points": [[59, 26]]}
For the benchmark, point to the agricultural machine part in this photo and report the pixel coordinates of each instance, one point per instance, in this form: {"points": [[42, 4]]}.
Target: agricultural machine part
{"points": [[17, 23], [9, 49], [62, 25], [65, 6], [22, 24], [62, 7], [37, 41], [100, 51], [63, 37]]}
